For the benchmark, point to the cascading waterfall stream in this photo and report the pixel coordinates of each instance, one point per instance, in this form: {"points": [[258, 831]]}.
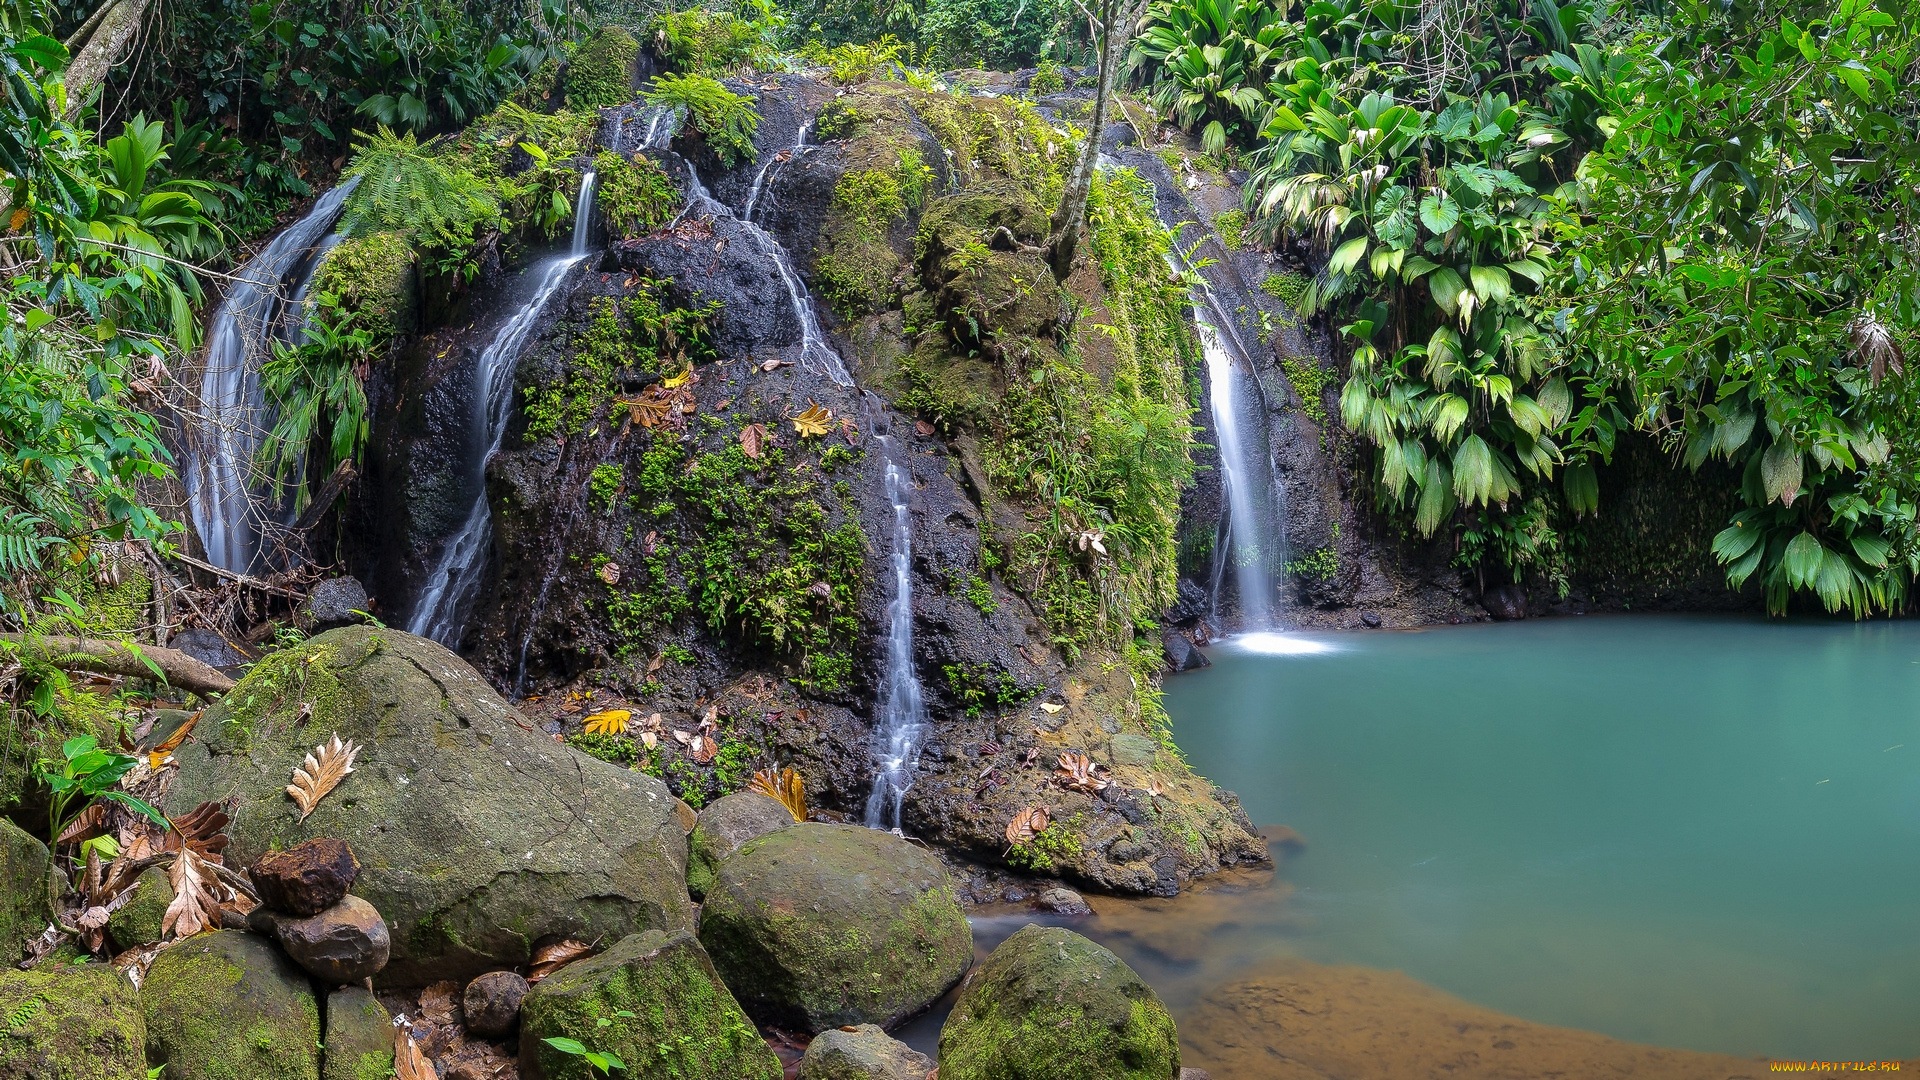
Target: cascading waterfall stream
{"points": [[228, 431], [903, 714], [439, 611], [753, 196], [1243, 492]]}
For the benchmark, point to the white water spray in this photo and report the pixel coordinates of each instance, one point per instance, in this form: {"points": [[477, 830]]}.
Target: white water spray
{"points": [[439, 611], [903, 713], [1244, 491]]}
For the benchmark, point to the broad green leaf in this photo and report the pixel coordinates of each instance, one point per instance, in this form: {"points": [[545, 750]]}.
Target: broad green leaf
{"points": [[1347, 256], [1734, 541], [1802, 560], [1473, 471], [1491, 284], [1530, 270], [1582, 482], [1446, 287], [1449, 412], [1872, 550], [1439, 213], [1436, 498], [1531, 416], [1417, 266], [1834, 580], [1780, 470], [1732, 433], [1557, 400], [566, 1045]]}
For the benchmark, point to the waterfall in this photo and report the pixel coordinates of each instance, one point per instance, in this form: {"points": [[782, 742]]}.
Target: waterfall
{"points": [[439, 612], [753, 195], [1246, 489], [232, 420], [903, 715]]}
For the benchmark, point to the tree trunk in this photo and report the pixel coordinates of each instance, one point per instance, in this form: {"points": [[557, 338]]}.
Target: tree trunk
{"points": [[115, 658], [1114, 26], [118, 27]]}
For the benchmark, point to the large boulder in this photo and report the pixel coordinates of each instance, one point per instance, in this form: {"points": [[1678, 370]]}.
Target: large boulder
{"points": [[26, 899], [862, 1053], [665, 1011], [1051, 1005], [74, 1023], [230, 1006], [359, 1043], [722, 827], [817, 926], [476, 834]]}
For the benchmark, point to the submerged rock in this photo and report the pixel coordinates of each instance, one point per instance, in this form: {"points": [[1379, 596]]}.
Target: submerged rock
{"points": [[723, 826], [229, 1005], [670, 1016], [359, 1042], [816, 926], [862, 1053], [476, 834], [26, 900], [1051, 1005], [75, 1023], [307, 878]]}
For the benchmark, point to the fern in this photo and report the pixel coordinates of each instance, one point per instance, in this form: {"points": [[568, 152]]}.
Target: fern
{"points": [[405, 188], [26, 1011], [727, 120], [21, 542]]}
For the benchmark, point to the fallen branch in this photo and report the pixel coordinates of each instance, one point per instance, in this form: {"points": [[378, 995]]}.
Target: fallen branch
{"points": [[249, 582], [116, 658], [329, 491]]}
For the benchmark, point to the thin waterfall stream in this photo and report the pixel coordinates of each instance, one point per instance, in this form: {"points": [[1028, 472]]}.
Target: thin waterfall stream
{"points": [[234, 417], [439, 612], [903, 713]]}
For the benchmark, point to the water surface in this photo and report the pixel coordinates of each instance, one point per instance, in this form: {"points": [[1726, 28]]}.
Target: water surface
{"points": [[1693, 832]]}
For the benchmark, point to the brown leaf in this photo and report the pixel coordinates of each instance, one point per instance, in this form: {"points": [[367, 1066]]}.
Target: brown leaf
{"points": [[92, 822], [922, 428], [609, 573], [774, 364], [1077, 771], [551, 957], [751, 438], [196, 898], [200, 829], [814, 422], [785, 786], [705, 749], [1027, 824], [160, 755], [850, 430], [656, 663], [408, 1062], [319, 775]]}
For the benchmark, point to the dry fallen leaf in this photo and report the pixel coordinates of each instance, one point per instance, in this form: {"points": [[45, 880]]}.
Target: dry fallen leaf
{"points": [[650, 739], [1153, 789], [682, 737], [550, 958], [196, 898], [1050, 708], [161, 755], [773, 364], [812, 423], [90, 823], [1027, 824], [1077, 771], [408, 1062], [610, 722], [656, 663], [704, 749], [321, 774], [610, 573], [785, 786], [200, 829], [751, 438], [922, 428]]}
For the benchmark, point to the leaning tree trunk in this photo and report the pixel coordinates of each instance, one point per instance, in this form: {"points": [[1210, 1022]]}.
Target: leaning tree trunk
{"points": [[118, 23], [1113, 27]]}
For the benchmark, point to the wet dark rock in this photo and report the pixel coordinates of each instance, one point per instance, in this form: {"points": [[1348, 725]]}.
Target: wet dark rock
{"points": [[491, 1003], [210, 648], [333, 602], [1064, 901], [817, 926], [1051, 1005], [863, 1052], [1189, 606], [477, 835], [1505, 602], [1181, 655], [723, 826], [346, 943], [229, 1004], [359, 1042], [306, 879], [1370, 619]]}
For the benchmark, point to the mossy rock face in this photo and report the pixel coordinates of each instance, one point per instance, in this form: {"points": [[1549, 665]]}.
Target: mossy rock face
{"points": [[230, 1006], [476, 834], [137, 922], [601, 72], [74, 1023], [1051, 1005], [683, 1022], [722, 827], [978, 257], [26, 899], [359, 1042], [862, 1053], [373, 275], [818, 926]]}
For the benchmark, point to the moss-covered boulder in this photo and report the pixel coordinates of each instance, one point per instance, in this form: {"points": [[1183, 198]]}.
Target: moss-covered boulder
{"points": [[26, 898], [137, 922], [600, 72], [374, 277], [665, 1010], [816, 926], [722, 827], [359, 1042], [72, 1023], [477, 835], [1051, 1005], [230, 1006], [979, 257]]}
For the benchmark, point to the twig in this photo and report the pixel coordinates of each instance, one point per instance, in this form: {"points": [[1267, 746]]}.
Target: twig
{"points": [[250, 582]]}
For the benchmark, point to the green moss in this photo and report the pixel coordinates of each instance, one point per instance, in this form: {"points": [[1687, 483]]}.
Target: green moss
{"points": [[230, 1006], [600, 72], [373, 276], [1310, 381], [70, 1023], [980, 686], [1051, 848], [25, 897], [138, 921], [604, 484], [654, 1001], [633, 195], [1286, 286], [1232, 227], [855, 264], [641, 332]]}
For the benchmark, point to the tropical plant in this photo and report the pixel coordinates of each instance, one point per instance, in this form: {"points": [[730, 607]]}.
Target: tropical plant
{"points": [[318, 392], [1209, 61], [725, 119], [441, 206], [84, 773], [700, 41]]}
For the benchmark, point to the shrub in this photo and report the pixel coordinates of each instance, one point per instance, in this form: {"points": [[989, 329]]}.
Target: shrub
{"points": [[725, 119], [601, 71], [698, 41], [635, 196]]}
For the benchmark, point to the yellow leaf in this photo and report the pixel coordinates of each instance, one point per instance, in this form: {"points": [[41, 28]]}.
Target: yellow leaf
{"points": [[1049, 707], [680, 380], [322, 773], [785, 786], [611, 722], [813, 423]]}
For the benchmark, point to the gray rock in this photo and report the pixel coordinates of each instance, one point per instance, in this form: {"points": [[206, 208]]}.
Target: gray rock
{"points": [[862, 1053], [491, 1003], [227, 1005], [333, 602], [359, 1042], [676, 1000], [307, 878], [26, 899], [1064, 901], [723, 826], [1181, 655], [344, 944], [1051, 1005], [1195, 1074], [1132, 749], [1370, 620], [476, 834], [138, 921], [816, 926], [76, 1023], [210, 648], [1505, 602]]}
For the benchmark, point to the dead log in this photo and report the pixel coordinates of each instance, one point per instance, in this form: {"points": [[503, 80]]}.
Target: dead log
{"points": [[117, 658]]}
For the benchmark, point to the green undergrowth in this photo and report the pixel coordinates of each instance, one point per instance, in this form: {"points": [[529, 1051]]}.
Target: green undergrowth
{"points": [[633, 195], [724, 119], [1311, 381], [1285, 286], [371, 276], [705, 42], [600, 72], [642, 333], [854, 263]]}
